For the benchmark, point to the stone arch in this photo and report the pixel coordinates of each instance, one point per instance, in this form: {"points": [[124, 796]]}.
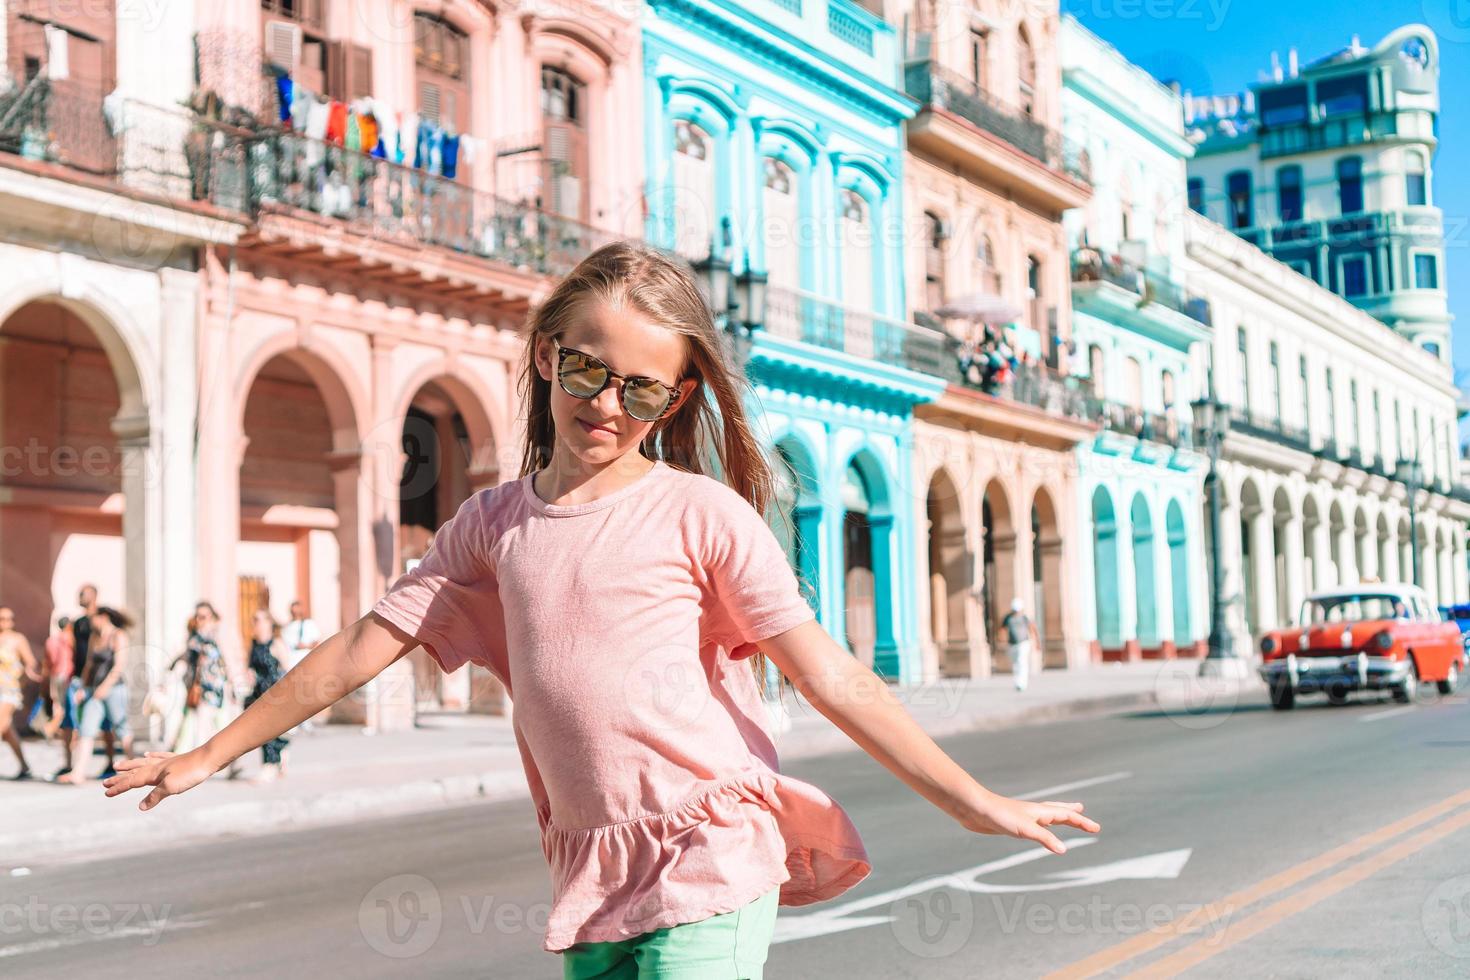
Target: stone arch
{"points": [[1176, 531], [868, 537], [1106, 571], [1145, 586], [951, 568], [1048, 578]]}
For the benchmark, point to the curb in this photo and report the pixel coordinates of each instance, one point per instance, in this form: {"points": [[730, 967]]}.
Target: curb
{"points": [[255, 818]]}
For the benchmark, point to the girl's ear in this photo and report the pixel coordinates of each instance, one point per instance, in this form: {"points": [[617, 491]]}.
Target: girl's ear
{"points": [[543, 355], [686, 387]]}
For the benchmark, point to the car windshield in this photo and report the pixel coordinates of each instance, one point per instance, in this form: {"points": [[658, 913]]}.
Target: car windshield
{"points": [[1351, 608]]}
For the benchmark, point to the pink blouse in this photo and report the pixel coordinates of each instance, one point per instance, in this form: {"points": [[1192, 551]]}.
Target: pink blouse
{"points": [[620, 627]]}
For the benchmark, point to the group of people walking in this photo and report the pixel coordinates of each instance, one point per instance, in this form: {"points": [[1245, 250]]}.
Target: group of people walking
{"points": [[83, 688]]}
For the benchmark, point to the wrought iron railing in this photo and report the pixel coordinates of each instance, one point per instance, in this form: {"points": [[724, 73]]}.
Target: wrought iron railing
{"points": [[1091, 265], [388, 201], [1161, 427], [252, 169], [796, 315], [1273, 429], [935, 85]]}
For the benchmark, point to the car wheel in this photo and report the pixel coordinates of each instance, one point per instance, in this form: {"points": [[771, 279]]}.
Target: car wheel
{"points": [[1451, 681], [1409, 686], [1337, 696], [1283, 695]]}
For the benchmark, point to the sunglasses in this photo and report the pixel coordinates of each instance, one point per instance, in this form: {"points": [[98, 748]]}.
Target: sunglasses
{"points": [[583, 376]]}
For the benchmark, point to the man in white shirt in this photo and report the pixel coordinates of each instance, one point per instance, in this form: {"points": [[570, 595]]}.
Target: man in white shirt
{"points": [[300, 635]]}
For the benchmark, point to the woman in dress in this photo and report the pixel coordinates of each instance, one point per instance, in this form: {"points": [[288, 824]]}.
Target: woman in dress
{"points": [[104, 692]]}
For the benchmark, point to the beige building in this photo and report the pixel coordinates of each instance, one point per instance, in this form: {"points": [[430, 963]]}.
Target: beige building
{"points": [[987, 178]]}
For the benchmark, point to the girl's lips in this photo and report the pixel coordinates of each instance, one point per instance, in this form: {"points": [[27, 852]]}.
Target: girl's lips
{"points": [[596, 430]]}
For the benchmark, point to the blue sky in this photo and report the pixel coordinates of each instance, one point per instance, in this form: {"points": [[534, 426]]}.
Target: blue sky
{"points": [[1218, 47]]}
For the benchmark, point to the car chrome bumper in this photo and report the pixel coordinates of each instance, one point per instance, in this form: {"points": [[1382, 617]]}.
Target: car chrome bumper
{"points": [[1355, 672]]}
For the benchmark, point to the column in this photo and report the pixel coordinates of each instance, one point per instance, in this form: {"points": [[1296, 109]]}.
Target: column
{"points": [[1347, 552], [1263, 554], [1232, 579], [1322, 569], [142, 523], [1391, 571], [1127, 579], [1293, 565]]}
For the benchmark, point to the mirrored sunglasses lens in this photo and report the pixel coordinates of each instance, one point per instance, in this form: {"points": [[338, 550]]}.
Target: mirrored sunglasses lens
{"points": [[582, 376], [645, 400]]}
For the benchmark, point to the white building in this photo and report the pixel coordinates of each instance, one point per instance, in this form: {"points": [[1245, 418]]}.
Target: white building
{"points": [[1329, 169], [1334, 419]]}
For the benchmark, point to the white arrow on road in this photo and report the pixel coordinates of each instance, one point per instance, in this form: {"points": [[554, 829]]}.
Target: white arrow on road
{"points": [[840, 918], [1165, 864]]}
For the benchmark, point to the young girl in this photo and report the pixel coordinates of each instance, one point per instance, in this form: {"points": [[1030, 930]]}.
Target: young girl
{"points": [[628, 601]]}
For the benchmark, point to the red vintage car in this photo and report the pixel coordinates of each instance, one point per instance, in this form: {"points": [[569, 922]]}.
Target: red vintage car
{"points": [[1371, 637]]}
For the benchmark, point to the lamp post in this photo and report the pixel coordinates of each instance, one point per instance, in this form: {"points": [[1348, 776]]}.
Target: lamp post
{"points": [[1222, 659], [738, 302]]}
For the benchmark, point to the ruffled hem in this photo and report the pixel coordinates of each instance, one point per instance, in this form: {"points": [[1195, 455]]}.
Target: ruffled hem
{"points": [[723, 848]]}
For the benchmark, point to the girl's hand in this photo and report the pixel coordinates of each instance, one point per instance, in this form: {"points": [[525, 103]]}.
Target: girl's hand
{"points": [[33, 675], [167, 773], [1027, 820]]}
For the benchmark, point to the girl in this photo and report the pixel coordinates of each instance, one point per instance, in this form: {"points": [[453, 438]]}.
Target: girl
{"points": [[104, 693], [628, 601]]}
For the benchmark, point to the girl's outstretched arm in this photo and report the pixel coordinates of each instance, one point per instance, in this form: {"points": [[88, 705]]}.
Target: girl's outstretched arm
{"points": [[334, 668], [859, 702]]}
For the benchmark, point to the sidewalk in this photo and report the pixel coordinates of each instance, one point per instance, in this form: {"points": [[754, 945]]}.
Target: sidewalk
{"points": [[338, 774]]}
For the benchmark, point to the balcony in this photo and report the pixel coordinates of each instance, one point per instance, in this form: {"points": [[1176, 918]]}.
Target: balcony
{"points": [[963, 124], [1164, 428], [1328, 133], [1117, 291], [304, 199], [1271, 429], [388, 202], [800, 316]]}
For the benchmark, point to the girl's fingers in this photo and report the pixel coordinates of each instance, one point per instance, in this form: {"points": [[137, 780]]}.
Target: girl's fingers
{"points": [[126, 764], [1047, 839], [153, 799], [1065, 806]]}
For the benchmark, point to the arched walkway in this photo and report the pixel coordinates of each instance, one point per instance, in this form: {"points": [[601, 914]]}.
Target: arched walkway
{"points": [[1046, 573], [447, 444], [867, 536], [951, 567], [74, 427], [301, 519], [1178, 539], [1106, 571], [1145, 593]]}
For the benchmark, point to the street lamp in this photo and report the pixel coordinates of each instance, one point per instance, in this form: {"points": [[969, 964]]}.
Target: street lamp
{"points": [[1413, 478], [1222, 659], [749, 301], [715, 272]]}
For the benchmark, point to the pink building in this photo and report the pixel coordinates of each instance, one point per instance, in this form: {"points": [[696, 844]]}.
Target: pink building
{"points": [[310, 347]]}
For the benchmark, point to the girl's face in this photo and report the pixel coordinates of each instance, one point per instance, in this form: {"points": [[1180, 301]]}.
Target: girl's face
{"points": [[598, 431], [204, 621]]}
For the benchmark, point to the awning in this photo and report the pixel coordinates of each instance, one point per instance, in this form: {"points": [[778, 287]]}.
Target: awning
{"points": [[983, 307]]}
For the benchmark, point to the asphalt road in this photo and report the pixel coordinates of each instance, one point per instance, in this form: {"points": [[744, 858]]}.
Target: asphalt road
{"points": [[1236, 842]]}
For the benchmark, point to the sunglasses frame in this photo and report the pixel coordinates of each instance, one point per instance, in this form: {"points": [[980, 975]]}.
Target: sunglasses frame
{"points": [[561, 355]]}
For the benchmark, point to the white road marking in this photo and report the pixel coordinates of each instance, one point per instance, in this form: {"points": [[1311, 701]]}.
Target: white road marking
{"points": [[1375, 716], [1068, 787], [1164, 864], [830, 920]]}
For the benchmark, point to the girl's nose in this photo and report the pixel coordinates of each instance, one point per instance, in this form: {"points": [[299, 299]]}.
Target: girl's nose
{"points": [[607, 402]]}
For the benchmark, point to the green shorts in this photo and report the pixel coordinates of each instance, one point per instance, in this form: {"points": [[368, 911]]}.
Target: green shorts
{"points": [[728, 946]]}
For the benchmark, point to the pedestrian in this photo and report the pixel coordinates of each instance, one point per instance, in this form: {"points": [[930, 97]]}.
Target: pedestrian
{"points": [[81, 631], [208, 684], [104, 694], [56, 671], [629, 602], [1020, 635], [16, 659], [301, 634], [267, 654]]}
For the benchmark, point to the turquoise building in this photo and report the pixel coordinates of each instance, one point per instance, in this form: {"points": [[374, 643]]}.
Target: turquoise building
{"points": [[1138, 336], [774, 164]]}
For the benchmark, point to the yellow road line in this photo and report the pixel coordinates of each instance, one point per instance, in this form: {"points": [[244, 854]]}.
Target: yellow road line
{"points": [[1201, 950], [1226, 907]]}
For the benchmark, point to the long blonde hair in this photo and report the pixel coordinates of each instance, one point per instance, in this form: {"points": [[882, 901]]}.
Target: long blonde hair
{"points": [[710, 429]]}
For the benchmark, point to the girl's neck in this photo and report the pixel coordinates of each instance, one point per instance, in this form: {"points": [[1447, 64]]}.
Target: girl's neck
{"points": [[567, 481]]}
